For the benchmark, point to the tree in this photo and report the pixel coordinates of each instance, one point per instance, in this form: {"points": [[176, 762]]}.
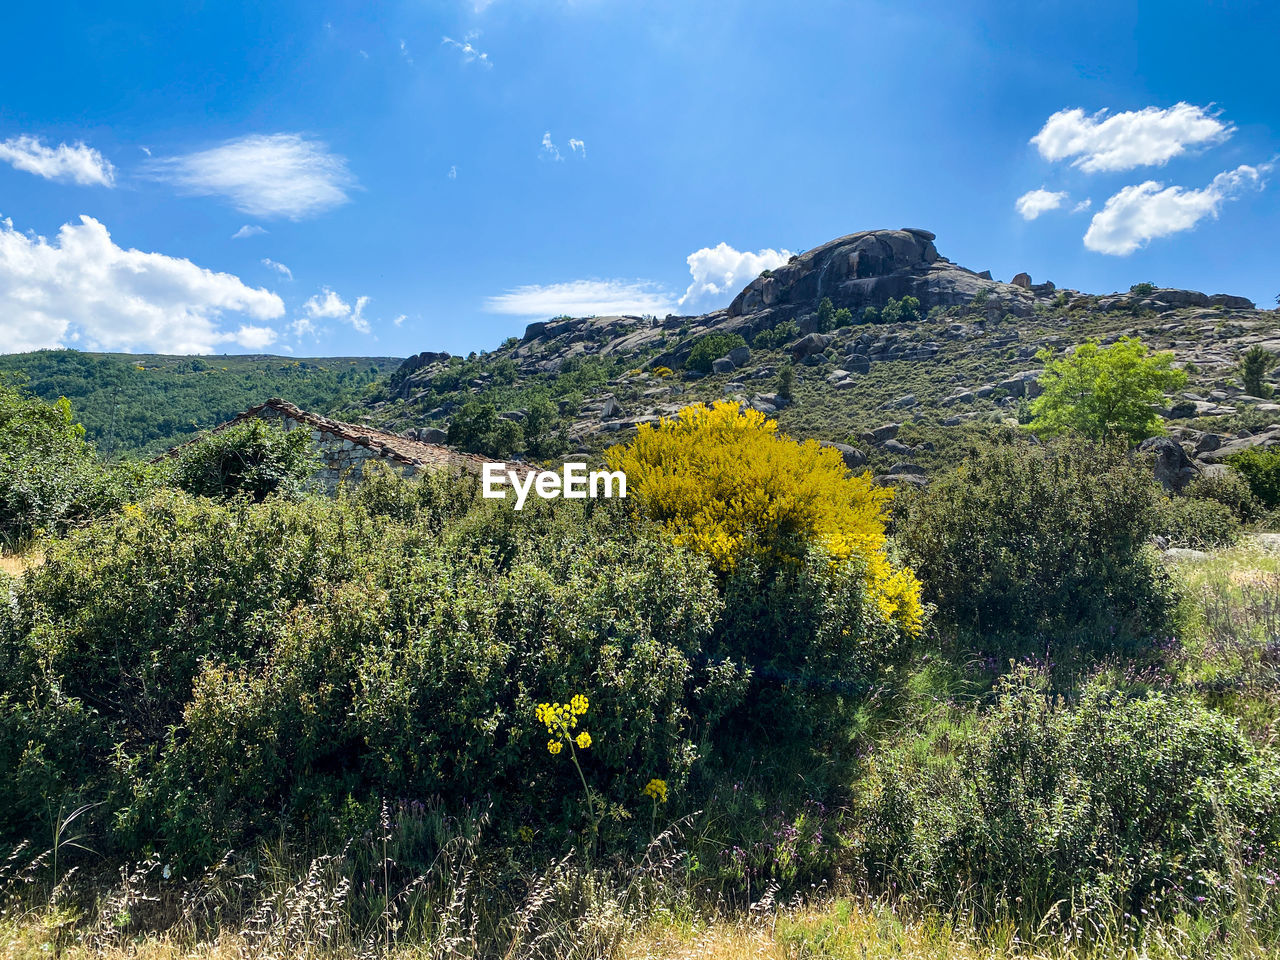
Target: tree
{"points": [[1255, 364], [1104, 393], [826, 315], [905, 310], [477, 428], [786, 381]]}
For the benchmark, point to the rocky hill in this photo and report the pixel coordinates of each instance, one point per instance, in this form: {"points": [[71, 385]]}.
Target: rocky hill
{"points": [[913, 357]]}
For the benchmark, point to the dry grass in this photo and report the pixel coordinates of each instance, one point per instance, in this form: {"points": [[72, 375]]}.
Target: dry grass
{"points": [[16, 564], [839, 931]]}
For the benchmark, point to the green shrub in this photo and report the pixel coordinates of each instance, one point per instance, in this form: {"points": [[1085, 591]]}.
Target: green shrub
{"points": [[255, 458], [711, 347], [1044, 809], [213, 671], [1104, 393], [906, 310], [50, 479], [1196, 522], [1232, 490], [776, 337], [477, 428], [1143, 289], [1261, 470], [1024, 538]]}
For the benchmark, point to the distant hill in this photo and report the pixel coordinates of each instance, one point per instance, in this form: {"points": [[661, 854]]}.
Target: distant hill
{"points": [[935, 353], [139, 404], [912, 359]]}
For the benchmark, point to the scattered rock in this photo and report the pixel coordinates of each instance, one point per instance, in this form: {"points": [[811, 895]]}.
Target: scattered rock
{"points": [[1172, 467], [853, 457], [886, 431], [900, 468], [809, 345]]}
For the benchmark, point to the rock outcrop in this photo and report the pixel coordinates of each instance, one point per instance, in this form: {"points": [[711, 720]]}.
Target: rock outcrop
{"points": [[868, 269]]}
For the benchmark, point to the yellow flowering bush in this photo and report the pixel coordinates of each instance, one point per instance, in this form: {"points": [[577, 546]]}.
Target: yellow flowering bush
{"points": [[726, 483]]}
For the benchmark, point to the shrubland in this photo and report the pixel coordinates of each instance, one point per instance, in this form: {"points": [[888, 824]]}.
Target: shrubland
{"points": [[762, 702]]}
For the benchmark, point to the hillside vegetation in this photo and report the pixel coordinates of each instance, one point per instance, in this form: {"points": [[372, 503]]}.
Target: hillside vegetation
{"points": [[143, 404], [1009, 688], [987, 716]]}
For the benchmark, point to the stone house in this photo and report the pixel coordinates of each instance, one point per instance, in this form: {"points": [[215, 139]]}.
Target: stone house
{"points": [[344, 448]]}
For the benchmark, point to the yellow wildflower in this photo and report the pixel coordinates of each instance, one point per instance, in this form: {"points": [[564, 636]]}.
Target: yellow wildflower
{"points": [[584, 740], [554, 746], [657, 789]]}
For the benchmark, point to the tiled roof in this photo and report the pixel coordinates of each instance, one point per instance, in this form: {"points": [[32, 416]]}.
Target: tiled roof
{"points": [[429, 456]]}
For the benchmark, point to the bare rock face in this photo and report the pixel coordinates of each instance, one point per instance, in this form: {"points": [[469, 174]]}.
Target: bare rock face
{"points": [[1171, 466], [867, 269]]}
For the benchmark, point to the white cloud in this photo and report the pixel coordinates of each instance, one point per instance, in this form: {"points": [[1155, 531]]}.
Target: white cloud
{"points": [[719, 272], [303, 327], [278, 267], [247, 231], [399, 321], [1082, 206], [404, 52], [1035, 202], [254, 338], [1135, 138], [469, 53], [357, 318], [453, 173], [584, 298], [327, 305], [84, 289], [578, 145], [77, 162], [549, 150], [273, 175], [1148, 210]]}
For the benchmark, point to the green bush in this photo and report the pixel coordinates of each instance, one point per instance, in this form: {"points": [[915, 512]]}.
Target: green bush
{"points": [[1048, 810], [477, 428], [1200, 523], [50, 479], [1261, 470], [214, 671], [776, 337], [816, 644], [711, 347], [906, 310], [1024, 538], [1232, 490], [1255, 363], [255, 458]]}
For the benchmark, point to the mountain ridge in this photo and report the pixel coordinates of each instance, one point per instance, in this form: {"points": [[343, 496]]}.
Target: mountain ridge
{"points": [[946, 350]]}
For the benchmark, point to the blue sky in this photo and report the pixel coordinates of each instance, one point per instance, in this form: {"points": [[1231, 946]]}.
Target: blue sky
{"points": [[328, 178]]}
